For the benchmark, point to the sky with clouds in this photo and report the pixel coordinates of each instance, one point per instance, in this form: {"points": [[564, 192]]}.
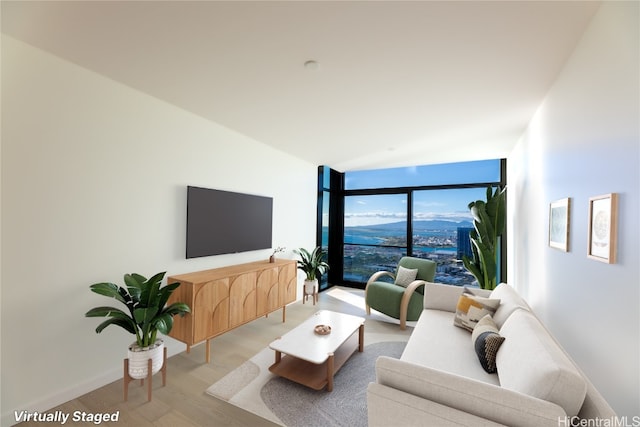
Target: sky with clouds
{"points": [[448, 205]]}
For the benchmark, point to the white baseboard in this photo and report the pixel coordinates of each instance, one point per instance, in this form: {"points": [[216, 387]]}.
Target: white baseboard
{"points": [[8, 418]]}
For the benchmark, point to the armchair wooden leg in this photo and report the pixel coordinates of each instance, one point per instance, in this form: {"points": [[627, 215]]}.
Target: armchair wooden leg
{"points": [[368, 309], [403, 315]]}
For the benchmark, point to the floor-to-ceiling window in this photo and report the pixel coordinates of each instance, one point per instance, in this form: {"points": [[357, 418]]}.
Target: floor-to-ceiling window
{"points": [[420, 211]]}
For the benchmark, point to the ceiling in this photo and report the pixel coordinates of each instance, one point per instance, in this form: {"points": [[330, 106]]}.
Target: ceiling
{"points": [[397, 83]]}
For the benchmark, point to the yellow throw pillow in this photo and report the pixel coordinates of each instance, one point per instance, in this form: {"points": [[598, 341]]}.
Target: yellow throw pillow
{"points": [[471, 309]]}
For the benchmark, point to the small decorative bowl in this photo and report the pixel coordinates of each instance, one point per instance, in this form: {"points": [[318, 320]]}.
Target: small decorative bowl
{"points": [[322, 329]]}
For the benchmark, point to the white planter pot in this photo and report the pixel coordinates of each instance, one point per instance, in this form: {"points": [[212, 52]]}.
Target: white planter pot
{"points": [[310, 286], [139, 359]]}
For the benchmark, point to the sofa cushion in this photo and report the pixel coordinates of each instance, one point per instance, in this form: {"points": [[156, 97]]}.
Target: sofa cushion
{"points": [[460, 393], [387, 406], [471, 308], [531, 362], [436, 343], [509, 302], [405, 276], [438, 296], [486, 341]]}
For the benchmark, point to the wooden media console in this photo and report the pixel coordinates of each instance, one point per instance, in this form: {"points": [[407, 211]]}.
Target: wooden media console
{"points": [[224, 298]]}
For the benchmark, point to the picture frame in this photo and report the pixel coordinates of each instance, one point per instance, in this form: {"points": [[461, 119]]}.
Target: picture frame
{"points": [[559, 214], [603, 228]]}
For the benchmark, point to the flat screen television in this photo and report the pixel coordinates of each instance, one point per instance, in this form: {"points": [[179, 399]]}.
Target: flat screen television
{"points": [[224, 222]]}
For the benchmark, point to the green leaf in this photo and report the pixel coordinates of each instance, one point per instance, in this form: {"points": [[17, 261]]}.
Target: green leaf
{"points": [[105, 311], [474, 210], [150, 293], [134, 285], [166, 292], [145, 315], [177, 308], [125, 324], [138, 277], [109, 290], [157, 278], [498, 212], [105, 288], [473, 269], [164, 323], [487, 262]]}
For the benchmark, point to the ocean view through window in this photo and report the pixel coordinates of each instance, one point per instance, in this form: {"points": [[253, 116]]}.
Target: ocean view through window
{"points": [[418, 211]]}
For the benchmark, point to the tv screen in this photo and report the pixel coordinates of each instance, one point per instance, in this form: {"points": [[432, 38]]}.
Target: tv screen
{"points": [[223, 222]]}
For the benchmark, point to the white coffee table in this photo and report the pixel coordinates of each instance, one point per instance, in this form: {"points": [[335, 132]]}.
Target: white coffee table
{"points": [[312, 359]]}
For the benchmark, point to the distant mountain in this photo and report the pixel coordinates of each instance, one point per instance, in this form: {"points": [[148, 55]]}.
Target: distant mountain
{"points": [[441, 225], [420, 225]]}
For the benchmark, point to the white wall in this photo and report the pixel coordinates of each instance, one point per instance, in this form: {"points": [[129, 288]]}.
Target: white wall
{"points": [[584, 141], [94, 178]]}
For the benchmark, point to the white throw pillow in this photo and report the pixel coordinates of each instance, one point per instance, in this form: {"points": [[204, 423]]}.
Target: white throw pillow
{"points": [[405, 276]]}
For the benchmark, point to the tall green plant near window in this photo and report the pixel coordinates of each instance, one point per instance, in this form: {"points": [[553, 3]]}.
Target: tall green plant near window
{"points": [[489, 218]]}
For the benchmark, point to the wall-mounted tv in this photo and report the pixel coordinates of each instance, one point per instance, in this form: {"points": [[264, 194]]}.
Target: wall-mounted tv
{"points": [[224, 222]]}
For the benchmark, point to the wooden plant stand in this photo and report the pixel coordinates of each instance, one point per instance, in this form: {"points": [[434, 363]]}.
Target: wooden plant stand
{"points": [[128, 378], [313, 295]]}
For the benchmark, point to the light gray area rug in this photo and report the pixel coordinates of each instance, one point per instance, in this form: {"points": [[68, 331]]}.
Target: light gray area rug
{"points": [[253, 388]]}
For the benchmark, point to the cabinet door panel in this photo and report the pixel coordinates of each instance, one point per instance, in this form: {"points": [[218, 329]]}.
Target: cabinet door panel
{"points": [[211, 313], [242, 299], [268, 294], [182, 325], [288, 283]]}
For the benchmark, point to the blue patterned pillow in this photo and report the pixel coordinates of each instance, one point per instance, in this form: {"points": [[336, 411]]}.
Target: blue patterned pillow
{"points": [[487, 341]]}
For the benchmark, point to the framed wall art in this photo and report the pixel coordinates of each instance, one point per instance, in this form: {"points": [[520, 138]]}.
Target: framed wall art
{"points": [[603, 227], [559, 212]]}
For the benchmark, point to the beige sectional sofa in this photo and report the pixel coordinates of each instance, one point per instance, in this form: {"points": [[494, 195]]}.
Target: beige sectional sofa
{"points": [[439, 381]]}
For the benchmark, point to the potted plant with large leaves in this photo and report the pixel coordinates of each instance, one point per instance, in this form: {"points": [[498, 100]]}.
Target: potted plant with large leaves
{"points": [[146, 313], [313, 265], [489, 219]]}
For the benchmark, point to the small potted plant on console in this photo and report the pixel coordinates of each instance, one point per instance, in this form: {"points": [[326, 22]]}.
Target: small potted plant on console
{"points": [[146, 313], [313, 265]]}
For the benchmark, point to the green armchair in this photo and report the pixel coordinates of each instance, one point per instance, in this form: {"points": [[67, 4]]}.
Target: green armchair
{"points": [[402, 299]]}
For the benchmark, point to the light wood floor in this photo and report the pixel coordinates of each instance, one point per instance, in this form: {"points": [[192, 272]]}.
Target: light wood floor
{"points": [[183, 401]]}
